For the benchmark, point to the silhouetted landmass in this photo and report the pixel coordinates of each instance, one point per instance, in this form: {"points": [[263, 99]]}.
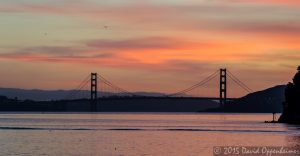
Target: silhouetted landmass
{"points": [[7, 104], [49, 95], [265, 101], [291, 105], [111, 104], [35, 94]]}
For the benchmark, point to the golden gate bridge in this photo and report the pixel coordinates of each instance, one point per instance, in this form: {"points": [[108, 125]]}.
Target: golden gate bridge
{"points": [[97, 83]]}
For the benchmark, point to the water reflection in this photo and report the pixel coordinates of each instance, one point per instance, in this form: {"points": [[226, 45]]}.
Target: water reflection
{"points": [[138, 134], [293, 139]]}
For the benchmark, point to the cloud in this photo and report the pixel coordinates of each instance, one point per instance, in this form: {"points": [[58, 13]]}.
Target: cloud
{"points": [[189, 64], [54, 54], [292, 28], [149, 43], [292, 56], [93, 59], [151, 52], [51, 50], [272, 2]]}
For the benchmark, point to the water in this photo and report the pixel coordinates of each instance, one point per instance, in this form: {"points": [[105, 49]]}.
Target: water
{"points": [[138, 133]]}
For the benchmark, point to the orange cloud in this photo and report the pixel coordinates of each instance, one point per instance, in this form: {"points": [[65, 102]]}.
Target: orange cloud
{"points": [[155, 53], [281, 2]]}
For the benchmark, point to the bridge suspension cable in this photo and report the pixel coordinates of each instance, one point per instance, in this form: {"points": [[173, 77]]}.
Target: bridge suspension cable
{"points": [[118, 89], [239, 82], [199, 84], [76, 90]]}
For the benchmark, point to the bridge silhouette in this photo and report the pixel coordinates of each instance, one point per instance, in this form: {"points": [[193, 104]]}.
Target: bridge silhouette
{"points": [[110, 90]]}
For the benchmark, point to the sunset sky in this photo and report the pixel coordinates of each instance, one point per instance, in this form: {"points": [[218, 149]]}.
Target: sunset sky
{"points": [[147, 45]]}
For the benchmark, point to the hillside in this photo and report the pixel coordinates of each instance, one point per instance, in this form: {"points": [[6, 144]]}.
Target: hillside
{"points": [[265, 101]]}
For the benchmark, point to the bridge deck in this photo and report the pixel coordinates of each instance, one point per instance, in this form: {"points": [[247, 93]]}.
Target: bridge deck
{"points": [[165, 97]]}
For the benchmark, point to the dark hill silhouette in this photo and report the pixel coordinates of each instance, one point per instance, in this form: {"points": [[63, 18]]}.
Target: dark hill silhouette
{"points": [[34, 94], [265, 101]]}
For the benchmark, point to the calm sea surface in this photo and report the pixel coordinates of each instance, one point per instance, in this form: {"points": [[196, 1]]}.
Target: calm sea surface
{"points": [[138, 133]]}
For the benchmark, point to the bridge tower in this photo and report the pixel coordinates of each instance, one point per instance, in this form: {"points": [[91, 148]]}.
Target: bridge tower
{"points": [[223, 87], [93, 92]]}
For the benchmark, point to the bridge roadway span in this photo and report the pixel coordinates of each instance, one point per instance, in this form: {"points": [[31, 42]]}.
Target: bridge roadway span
{"points": [[160, 98], [147, 104]]}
